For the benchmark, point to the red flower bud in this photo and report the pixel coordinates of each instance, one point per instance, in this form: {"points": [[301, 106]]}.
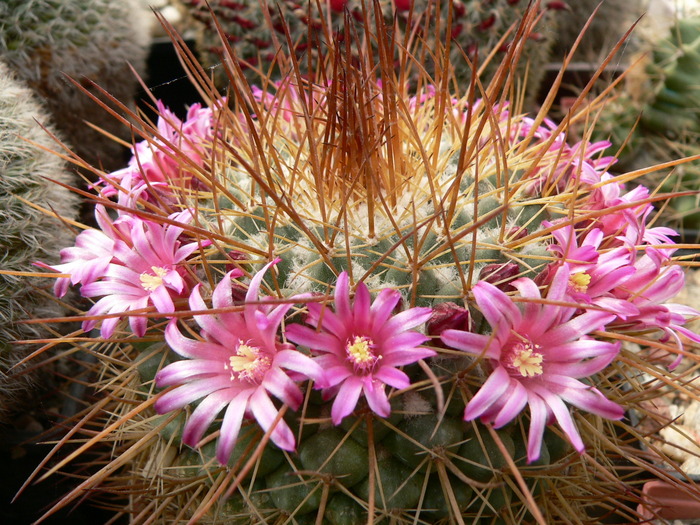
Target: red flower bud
{"points": [[458, 9], [446, 316], [487, 23], [500, 275], [235, 255]]}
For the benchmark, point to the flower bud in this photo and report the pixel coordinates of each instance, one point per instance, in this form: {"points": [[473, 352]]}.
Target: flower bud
{"points": [[446, 316], [500, 275]]}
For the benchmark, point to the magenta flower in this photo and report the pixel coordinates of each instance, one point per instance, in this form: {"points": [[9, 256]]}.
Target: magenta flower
{"points": [[593, 274], [153, 166], [89, 259], [146, 270], [537, 356], [237, 364], [362, 345], [656, 281]]}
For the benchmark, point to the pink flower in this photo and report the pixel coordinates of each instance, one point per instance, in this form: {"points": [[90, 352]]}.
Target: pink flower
{"points": [[593, 274], [237, 364], [145, 270], [362, 345], [153, 166], [655, 281], [537, 356], [89, 259]]}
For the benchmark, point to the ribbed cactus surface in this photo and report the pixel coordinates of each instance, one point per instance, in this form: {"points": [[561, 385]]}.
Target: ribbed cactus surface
{"points": [[45, 40], [26, 234]]}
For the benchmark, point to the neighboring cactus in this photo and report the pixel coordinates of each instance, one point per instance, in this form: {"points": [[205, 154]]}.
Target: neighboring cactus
{"points": [[45, 40], [26, 233], [664, 93], [476, 25], [612, 20], [295, 238]]}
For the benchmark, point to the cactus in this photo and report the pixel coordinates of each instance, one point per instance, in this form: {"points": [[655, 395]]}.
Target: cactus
{"points": [[295, 238], [477, 25], [26, 233], [612, 19], [664, 95], [45, 40]]}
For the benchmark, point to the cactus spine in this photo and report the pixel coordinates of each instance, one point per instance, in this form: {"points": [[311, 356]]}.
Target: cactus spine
{"points": [[477, 25]]}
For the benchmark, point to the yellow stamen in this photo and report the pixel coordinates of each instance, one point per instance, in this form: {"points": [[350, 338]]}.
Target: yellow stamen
{"points": [[248, 363], [360, 352], [151, 282], [528, 362], [580, 281]]}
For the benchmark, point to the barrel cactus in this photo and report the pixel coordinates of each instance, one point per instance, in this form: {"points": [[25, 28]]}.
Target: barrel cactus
{"points": [[89, 41], [30, 229], [359, 301], [256, 29]]}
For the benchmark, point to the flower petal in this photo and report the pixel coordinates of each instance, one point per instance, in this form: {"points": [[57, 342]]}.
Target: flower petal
{"points": [[265, 413], [318, 341], [191, 348], [203, 416], [231, 426], [187, 370], [538, 419], [477, 344], [283, 388], [404, 321], [377, 400], [496, 306], [346, 399], [489, 393], [186, 394], [382, 307], [562, 415], [393, 377], [515, 401], [361, 308]]}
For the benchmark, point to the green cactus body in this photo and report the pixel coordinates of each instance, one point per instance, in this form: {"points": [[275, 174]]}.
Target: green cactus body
{"points": [[45, 40], [26, 233]]}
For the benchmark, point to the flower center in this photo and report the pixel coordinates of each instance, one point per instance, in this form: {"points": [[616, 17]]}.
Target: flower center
{"points": [[151, 282], [579, 282], [524, 358], [249, 363], [360, 353]]}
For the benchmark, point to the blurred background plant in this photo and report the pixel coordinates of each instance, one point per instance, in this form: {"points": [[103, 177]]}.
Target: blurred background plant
{"points": [[46, 41], [480, 29], [33, 195]]}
